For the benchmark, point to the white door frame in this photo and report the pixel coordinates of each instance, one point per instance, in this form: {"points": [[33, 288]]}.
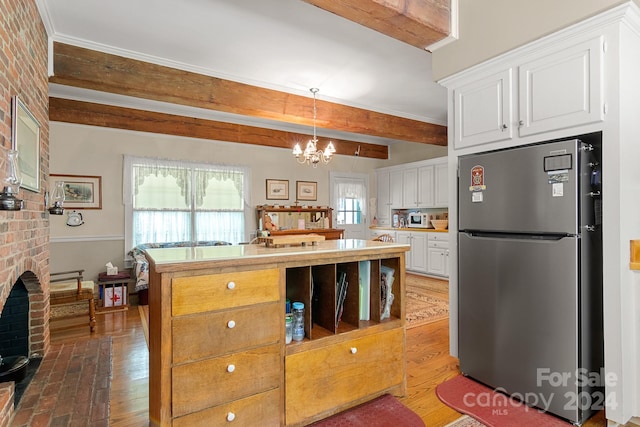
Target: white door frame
{"points": [[359, 231]]}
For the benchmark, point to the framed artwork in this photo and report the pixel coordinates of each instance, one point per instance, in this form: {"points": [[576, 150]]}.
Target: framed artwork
{"points": [[277, 189], [80, 191], [306, 190], [25, 137]]}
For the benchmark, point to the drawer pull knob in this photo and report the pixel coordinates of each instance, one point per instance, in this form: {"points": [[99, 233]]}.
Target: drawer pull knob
{"points": [[231, 285], [231, 416], [231, 324], [231, 368], [354, 350]]}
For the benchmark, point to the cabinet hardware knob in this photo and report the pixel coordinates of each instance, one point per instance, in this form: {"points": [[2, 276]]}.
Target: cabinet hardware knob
{"points": [[503, 127], [521, 123], [231, 324], [231, 285], [231, 368], [231, 416], [354, 350]]}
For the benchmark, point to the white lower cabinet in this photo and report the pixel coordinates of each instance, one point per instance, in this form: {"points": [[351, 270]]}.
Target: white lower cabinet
{"points": [[438, 254], [416, 257]]}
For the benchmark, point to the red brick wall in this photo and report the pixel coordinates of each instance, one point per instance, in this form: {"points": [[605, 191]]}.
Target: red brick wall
{"points": [[24, 235]]}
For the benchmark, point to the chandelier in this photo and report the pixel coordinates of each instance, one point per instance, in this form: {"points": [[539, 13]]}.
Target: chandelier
{"points": [[311, 155]]}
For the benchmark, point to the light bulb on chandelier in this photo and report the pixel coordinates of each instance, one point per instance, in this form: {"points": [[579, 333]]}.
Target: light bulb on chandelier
{"points": [[311, 155]]}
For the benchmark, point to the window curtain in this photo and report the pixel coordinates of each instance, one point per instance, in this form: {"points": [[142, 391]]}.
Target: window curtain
{"points": [[207, 218], [350, 189]]}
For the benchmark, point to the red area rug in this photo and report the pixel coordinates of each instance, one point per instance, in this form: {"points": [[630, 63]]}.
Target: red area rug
{"points": [[385, 411], [492, 409]]}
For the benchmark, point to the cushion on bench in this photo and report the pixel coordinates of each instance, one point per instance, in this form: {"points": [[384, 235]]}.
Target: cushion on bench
{"points": [[68, 289]]}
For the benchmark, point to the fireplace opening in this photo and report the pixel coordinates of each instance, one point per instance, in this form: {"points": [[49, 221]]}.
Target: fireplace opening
{"points": [[15, 364]]}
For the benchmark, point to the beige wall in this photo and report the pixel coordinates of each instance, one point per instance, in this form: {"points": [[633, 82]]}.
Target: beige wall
{"points": [[87, 150], [491, 27]]}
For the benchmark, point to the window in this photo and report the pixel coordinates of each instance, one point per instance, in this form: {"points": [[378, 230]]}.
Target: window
{"points": [[172, 201], [349, 211]]}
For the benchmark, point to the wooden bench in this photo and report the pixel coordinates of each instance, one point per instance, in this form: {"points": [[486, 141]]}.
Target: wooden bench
{"points": [[68, 286]]}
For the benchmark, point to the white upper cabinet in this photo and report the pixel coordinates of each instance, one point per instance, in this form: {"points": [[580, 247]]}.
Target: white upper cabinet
{"points": [[383, 204], [561, 90], [396, 188], [409, 188], [415, 185], [441, 193], [389, 194], [484, 110], [417, 191], [555, 88]]}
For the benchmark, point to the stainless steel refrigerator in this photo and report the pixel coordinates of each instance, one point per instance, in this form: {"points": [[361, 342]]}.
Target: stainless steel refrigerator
{"points": [[530, 274]]}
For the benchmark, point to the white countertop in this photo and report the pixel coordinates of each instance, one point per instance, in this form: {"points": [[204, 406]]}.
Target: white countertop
{"points": [[182, 255]]}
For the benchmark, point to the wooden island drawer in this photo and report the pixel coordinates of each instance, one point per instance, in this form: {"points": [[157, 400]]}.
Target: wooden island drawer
{"points": [[258, 410], [211, 292], [323, 379], [206, 335], [211, 382]]}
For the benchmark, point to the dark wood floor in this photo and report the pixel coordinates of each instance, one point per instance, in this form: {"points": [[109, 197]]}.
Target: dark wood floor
{"points": [[428, 364]]}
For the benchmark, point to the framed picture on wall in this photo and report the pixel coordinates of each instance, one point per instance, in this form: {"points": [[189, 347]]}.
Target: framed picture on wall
{"points": [[306, 190], [25, 137], [277, 189], [80, 191]]}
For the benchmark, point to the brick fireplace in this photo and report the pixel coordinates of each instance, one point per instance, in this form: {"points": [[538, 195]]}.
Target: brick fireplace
{"points": [[24, 234]]}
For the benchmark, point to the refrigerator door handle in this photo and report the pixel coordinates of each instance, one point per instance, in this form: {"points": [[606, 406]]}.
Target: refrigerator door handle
{"points": [[516, 236]]}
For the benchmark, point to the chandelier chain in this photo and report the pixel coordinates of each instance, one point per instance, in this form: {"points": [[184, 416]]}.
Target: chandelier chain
{"points": [[311, 155]]}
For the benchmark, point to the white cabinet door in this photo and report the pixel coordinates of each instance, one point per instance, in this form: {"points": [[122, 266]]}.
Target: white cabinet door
{"points": [[562, 89], [410, 188], [383, 192], [426, 196], [483, 110], [437, 261], [405, 238], [438, 254], [419, 260], [395, 188], [441, 193]]}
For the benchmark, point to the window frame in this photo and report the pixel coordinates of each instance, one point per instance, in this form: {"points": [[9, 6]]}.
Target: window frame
{"points": [[128, 163]]}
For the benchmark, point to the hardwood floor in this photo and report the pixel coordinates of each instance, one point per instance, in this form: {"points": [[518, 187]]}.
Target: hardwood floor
{"points": [[428, 364], [130, 383]]}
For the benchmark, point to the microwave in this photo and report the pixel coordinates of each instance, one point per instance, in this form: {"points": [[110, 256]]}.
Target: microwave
{"points": [[419, 220]]}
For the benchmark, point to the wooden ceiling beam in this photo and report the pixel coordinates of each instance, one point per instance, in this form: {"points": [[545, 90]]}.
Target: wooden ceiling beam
{"points": [[86, 113], [90, 69], [419, 23]]}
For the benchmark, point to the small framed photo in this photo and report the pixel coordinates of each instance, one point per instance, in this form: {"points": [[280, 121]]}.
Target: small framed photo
{"points": [[25, 135], [80, 191], [306, 190], [277, 189]]}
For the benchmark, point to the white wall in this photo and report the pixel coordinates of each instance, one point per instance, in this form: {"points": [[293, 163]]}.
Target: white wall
{"points": [[88, 150], [488, 28]]}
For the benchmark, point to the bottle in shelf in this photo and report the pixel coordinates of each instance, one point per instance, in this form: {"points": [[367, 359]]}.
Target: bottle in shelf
{"points": [[289, 328], [298, 321]]}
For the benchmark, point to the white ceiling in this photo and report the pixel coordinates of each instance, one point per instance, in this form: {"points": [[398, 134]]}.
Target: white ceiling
{"points": [[286, 45]]}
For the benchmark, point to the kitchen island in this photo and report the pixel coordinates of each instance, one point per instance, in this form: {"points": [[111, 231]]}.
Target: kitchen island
{"points": [[217, 346]]}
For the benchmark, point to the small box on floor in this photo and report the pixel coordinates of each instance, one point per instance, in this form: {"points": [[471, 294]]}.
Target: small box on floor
{"points": [[114, 295]]}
